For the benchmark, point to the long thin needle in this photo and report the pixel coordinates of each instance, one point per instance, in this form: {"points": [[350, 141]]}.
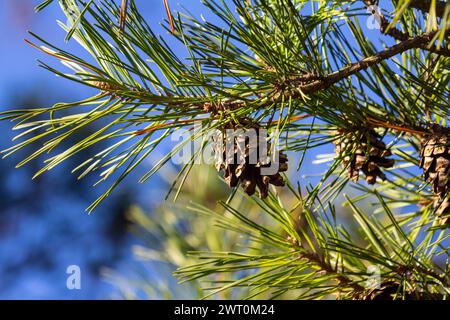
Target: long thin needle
{"points": [[123, 15], [169, 15]]}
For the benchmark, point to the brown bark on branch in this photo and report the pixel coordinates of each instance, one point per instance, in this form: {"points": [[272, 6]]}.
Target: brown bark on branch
{"points": [[402, 36], [424, 6]]}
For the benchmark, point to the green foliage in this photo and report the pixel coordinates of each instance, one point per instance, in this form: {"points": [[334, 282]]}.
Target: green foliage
{"points": [[305, 68]]}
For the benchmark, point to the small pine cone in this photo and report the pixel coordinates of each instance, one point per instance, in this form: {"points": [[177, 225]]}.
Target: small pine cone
{"points": [[238, 169], [363, 150], [435, 160]]}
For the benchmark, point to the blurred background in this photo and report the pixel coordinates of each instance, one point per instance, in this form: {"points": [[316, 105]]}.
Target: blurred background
{"points": [[43, 224]]}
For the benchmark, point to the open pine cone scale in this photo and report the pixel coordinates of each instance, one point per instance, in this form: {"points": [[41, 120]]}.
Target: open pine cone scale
{"points": [[243, 166]]}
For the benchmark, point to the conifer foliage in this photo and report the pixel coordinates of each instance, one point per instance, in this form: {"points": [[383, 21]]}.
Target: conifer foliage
{"points": [[370, 78]]}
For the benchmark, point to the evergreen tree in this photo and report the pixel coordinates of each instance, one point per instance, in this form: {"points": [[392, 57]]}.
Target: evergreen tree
{"points": [[307, 72]]}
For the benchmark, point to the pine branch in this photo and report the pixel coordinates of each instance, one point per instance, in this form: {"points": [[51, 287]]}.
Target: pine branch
{"points": [[333, 78], [392, 31], [315, 83]]}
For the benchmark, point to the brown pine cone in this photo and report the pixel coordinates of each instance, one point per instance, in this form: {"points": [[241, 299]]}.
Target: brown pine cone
{"points": [[363, 150], [239, 169], [435, 160]]}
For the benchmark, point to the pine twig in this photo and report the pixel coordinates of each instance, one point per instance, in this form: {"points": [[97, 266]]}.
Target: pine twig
{"points": [[399, 35], [124, 13], [319, 83], [326, 267], [428, 74], [335, 77]]}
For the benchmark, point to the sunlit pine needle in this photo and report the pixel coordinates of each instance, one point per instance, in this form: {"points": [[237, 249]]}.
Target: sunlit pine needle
{"points": [[123, 15]]}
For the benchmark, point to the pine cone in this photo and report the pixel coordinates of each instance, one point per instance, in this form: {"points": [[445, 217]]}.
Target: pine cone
{"points": [[435, 160], [239, 169], [363, 150]]}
